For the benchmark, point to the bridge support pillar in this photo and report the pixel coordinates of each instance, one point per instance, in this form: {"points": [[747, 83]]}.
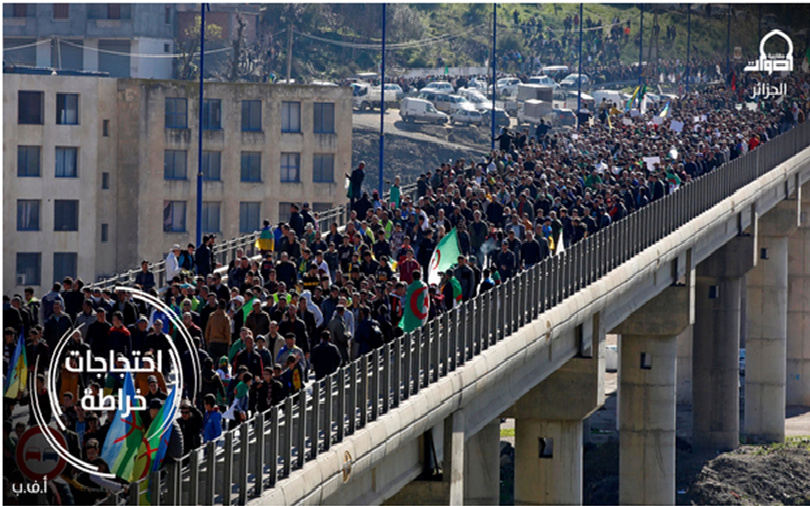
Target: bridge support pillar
{"points": [[798, 316], [548, 424], [453, 465], [482, 465], [684, 387], [716, 344], [766, 341], [647, 386]]}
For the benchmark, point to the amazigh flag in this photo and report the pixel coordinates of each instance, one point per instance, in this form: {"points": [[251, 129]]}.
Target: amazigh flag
{"points": [[154, 444], [444, 257], [630, 102], [17, 378], [124, 437], [417, 306], [664, 111], [265, 241]]}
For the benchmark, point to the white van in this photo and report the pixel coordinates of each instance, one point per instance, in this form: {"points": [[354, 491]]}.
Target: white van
{"points": [[417, 109], [610, 96]]}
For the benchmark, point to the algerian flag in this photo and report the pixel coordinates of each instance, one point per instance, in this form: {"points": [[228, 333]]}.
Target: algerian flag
{"points": [[124, 437], [444, 257], [417, 306]]}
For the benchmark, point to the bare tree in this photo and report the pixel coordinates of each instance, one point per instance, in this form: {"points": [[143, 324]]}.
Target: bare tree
{"points": [[190, 46]]}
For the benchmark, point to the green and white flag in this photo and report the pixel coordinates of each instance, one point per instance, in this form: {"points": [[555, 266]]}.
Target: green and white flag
{"points": [[417, 306], [444, 257]]}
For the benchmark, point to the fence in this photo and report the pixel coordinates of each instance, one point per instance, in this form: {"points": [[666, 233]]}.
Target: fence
{"points": [[244, 462]]}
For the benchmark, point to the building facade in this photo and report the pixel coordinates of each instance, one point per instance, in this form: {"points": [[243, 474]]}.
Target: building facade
{"points": [[100, 172], [124, 40]]}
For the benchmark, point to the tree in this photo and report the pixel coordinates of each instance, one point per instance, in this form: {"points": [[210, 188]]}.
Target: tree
{"points": [[190, 46]]}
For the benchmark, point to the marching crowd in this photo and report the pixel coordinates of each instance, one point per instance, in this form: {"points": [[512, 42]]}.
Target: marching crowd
{"points": [[320, 297]]}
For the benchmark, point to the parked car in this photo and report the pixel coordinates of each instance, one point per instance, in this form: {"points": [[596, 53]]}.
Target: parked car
{"points": [[501, 118], [466, 117], [397, 89], [438, 87], [417, 109], [571, 81], [505, 85], [545, 80]]}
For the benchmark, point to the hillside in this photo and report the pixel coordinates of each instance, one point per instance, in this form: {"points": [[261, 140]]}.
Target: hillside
{"points": [[333, 41]]}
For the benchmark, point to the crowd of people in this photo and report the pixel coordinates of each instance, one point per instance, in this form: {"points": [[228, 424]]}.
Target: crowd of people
{"points": [[319, 297]]}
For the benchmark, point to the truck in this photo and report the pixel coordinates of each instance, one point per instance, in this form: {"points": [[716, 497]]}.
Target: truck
{"points": [[513, 102], [365, 96], [532, 111]]}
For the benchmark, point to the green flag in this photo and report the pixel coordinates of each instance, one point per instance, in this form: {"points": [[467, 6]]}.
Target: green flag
{"points": [[417, 306], [444, 257], [124, 436]]}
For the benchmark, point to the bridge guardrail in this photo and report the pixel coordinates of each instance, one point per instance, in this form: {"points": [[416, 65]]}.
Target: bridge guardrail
{"points": [[273, 444]]}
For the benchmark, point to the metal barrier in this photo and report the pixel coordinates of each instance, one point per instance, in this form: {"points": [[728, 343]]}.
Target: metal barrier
{"points": [[270, 446]]}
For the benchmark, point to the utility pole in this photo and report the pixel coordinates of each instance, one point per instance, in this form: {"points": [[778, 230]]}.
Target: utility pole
{"points": [[289, 49], [728, 43], [579, 78], [688, 41], [641, 46], [198, 237], [382, 106], [494, 83]]}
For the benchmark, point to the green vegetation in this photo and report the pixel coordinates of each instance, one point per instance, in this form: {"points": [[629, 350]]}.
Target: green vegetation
{"points": [[459, 34]]}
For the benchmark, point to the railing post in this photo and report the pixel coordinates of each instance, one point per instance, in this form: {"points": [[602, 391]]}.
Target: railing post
{"points": [[258, 458], [155, 488], [327, 412], [482, 337], [352, 411], [242, 470], [227, 478], [301, 425], [426, 353], [441, 345], [193, 478], [315, 422], [416, 340], [364, 389], [398, 370], [274, 442], [209, 492], [387, 365], [341, 414], [459, 342], [435, 345], [134, 493], [174, 476], [287, 442], [408, 373]]}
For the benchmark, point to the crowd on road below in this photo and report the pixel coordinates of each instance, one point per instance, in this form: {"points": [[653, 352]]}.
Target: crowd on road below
{"points": [[320, 297]]}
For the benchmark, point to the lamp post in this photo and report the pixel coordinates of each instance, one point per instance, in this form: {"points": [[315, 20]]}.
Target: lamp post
{"points": [[641, 46], [688, 41], [494, 84], [382, 106], [579, 78], [198, 237]]}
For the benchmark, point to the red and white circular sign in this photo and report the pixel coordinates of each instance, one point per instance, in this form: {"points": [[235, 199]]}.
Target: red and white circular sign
{"points": [[36, 458]]}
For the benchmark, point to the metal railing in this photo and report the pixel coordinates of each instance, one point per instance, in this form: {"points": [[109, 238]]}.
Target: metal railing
{"points": [[244, 462], [226, 252]]}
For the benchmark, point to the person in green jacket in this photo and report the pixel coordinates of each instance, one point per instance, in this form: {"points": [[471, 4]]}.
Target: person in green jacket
{"points": [[396, 194]]}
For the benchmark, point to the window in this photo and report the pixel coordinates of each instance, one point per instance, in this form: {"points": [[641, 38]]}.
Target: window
{"points": [[105, 180], [67, 109], [105, 232], [67, 162], [291, 116], [251, 166], [323, 168], [174, 164], [167, 17], [174, 216], [210, 217], [28, 159], [290, 167], [324, 118], [176, 113], [21, 11], [30, 106], [212, 165], [64, 265], [167, 48], [61, 11], [212, 114], [105, 128], [27, 215], [113, 11], [66, 215], [251, 115], [249, 216], [29, 266]]}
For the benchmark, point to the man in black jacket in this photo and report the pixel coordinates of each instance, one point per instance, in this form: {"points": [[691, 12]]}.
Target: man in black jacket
{"points": [[325, 357], [466, 278]]}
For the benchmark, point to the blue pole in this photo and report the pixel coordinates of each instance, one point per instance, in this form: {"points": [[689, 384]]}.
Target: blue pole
{"points": [[198, 238], [494, 84], [382, 106], [688, 41], [640, 45], [728, 42], [579, 80]]}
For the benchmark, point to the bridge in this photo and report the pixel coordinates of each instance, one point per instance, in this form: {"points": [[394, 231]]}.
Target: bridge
{"points": [[724, 256]]}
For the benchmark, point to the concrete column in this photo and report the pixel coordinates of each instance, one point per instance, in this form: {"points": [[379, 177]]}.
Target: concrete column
{"points": [[798, 316], [766, 342], [716, 345], [551, 453], [482, 465], [453, 465], [648, 363], [548, 425], [684, 385]]}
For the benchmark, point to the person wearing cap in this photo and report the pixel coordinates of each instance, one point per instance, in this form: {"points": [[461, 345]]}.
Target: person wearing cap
{"points": [[173, 263], [154, 393]]}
